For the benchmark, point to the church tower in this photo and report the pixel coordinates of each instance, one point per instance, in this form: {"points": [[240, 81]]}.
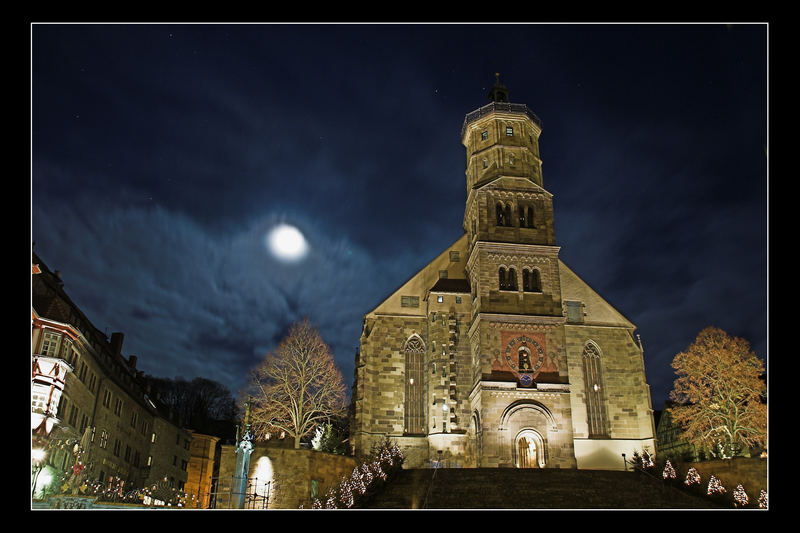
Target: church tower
{"points": [[496, 354], [516, 335]]}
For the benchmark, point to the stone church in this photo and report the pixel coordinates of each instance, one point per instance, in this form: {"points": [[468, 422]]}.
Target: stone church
{"points": [[496, 354]]}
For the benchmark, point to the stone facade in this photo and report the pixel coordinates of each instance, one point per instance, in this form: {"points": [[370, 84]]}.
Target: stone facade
{"points": [[505, 354], [294, 475]]}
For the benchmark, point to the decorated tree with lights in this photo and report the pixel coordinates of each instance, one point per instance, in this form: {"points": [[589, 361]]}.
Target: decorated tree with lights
{"points": [[762, 500], [297, 386], [720, 394], [740, 498], [692, 478], [669, 472], [364, 480]]}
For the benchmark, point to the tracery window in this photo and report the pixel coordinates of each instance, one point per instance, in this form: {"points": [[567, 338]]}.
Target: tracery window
{"points": [[595, 401], [414, 412]]}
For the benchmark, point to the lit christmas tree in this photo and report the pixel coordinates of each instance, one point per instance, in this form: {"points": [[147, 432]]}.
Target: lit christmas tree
{"points": [[692, 477], [647, 460], [366, 474], [762, 500], [669, 471], [715, 486], [330, 502], [357, 482], [386, 458], [740, 496], [346, 493]]}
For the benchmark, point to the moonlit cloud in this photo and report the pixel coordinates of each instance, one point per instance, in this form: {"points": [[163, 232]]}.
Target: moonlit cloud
{"points": [[195, 304]]}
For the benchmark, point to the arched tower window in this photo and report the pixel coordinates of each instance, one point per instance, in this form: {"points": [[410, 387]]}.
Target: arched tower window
{"points": [[536, 281], [525, 215], [595, 401], [511, 282], [414, 415], [508, 215], [531, 280], [500, 215]]}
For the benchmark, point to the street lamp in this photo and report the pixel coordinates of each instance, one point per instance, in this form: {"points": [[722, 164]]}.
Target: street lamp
{"points": [[37, 463]]}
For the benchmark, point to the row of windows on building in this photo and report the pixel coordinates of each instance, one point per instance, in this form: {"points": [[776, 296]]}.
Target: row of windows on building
{"points": [[525, 216], [508, 280], [509, 129]]}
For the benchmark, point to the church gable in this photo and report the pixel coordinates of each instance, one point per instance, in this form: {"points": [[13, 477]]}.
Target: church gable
{"points": [[409, 299], [583, 305]]}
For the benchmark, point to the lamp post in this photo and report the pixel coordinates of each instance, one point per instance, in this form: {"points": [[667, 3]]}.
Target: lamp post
{"points": [[37, 463], [624, 462]]}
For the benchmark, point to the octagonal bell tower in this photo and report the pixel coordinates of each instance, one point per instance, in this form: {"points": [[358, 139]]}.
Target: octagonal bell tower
{"points": [[516, 330]]}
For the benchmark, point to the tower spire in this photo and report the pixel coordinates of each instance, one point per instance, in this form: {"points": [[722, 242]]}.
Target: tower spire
{"points": [[499, 92]]}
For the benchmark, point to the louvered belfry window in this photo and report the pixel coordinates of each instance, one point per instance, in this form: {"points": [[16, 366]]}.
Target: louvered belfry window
{"points": [[414, 416], [595, 403]]}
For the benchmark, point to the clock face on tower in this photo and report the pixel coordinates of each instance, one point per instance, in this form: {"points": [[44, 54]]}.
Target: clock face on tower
{"points": [[523, 354]]}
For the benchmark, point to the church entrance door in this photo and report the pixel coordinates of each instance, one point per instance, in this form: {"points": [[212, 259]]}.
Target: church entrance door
{"points": [[529, 450]]}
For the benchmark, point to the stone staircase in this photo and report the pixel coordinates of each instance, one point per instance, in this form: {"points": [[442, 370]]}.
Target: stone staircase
{"points": [[511, 488]]}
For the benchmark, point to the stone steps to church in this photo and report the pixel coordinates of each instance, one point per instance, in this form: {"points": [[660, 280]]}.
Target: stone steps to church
{"points": [[509, 488]]}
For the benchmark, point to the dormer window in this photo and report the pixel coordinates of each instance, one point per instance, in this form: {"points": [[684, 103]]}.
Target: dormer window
{"points": [[484, 135], [509, 131]]}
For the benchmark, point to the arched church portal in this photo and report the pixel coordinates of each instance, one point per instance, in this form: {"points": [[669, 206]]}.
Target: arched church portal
{"points": [[529, 451]]}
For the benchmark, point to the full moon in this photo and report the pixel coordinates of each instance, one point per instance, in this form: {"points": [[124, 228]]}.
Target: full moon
{"points": [[287, 243]]}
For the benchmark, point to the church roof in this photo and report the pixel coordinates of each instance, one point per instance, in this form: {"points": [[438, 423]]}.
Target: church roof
{"points": [[451, 285]]}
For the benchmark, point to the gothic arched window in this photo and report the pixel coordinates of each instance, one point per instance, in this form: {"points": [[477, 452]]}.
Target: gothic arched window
{"points": [[508, 215], [593, 383], [500, 215], [529, 219], [502, 278], [414, 415]]}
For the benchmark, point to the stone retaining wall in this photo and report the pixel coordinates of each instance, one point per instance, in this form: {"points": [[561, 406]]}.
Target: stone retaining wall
{"points": [[751, 472]]}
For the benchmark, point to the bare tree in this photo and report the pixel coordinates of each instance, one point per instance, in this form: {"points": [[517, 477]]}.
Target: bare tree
{"points": [[721, 394], [297, 386]]}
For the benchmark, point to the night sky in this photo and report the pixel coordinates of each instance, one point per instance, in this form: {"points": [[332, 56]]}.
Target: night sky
{"points": [[163, 154]]}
